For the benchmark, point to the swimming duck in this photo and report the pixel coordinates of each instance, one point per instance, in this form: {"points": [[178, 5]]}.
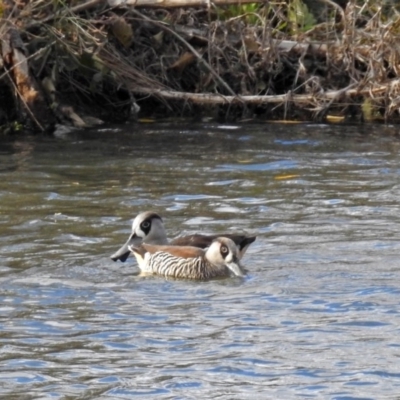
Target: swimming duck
{"points": [[148, 227], [219, 260]]}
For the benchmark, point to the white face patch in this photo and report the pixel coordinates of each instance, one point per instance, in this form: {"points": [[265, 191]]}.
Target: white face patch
{"points": [[140, 233], [229, 257], [136, 229]]}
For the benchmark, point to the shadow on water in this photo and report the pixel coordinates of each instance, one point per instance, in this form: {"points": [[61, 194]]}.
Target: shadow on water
{"points": [[316, 316]]}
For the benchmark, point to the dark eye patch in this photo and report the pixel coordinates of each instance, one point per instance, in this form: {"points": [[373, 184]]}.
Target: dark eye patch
{"points": [[224, 251], [145, 226]]}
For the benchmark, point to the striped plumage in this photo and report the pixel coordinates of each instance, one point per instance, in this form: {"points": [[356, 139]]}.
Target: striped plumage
{"points": [[218, 261], [148, 227]]}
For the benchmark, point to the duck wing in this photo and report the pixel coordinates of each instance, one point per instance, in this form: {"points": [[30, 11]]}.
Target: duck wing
{"points": [[203, 241], [177, 251]]}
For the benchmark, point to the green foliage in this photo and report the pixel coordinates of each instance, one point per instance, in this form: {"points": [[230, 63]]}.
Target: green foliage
{"points": [[251, 13], [370, 110], [11, 128], [299, 17], [58, 5]]}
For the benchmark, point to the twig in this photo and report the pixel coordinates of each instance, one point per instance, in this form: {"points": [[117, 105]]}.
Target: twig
{"points": [[76, 9], [216, 99], [336, 6], [192, 49]]}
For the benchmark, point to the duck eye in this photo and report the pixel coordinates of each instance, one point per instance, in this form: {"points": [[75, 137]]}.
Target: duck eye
{"points": [[145, 225], [224, 250]]}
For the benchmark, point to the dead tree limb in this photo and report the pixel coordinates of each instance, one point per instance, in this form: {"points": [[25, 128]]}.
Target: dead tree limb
{"points": [[29, 100], [216, 99], [178, 3]]}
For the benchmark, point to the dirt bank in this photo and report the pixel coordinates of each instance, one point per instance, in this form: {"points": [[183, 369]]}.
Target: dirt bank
{"points": [[87, 62]]}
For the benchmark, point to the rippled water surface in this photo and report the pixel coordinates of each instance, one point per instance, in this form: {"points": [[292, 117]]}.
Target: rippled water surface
{"points": [[317, 315]]}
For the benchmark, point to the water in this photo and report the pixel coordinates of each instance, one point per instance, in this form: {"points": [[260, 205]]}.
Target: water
{"points": [[317, 316]]}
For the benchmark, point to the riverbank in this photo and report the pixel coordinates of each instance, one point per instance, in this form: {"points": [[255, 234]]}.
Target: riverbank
{"points": [[96, 61]]}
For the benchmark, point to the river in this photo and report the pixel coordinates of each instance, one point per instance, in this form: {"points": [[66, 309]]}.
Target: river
{"points": [[317, 315]]}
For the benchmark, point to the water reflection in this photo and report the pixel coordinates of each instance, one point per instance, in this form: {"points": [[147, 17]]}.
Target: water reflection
{"points": [[317, 315]]}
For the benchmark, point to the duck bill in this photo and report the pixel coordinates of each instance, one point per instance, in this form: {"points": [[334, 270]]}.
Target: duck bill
{"points": [[236, 268], [123, 253]]}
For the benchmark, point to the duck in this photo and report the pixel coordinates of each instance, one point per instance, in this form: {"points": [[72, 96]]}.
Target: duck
{"points": [[148, 227], [219, 260]]}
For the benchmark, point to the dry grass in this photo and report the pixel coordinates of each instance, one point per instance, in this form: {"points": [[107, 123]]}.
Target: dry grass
{"points": [[254, 60]]}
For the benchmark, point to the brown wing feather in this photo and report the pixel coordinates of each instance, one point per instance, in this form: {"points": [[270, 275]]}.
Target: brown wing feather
{"points": [[177, 251], [201, 241], [204, 241]]}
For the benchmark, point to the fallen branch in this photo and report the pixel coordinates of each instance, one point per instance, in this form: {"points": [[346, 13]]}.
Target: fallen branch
{"points": [[178, 3], [217, 99]]}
